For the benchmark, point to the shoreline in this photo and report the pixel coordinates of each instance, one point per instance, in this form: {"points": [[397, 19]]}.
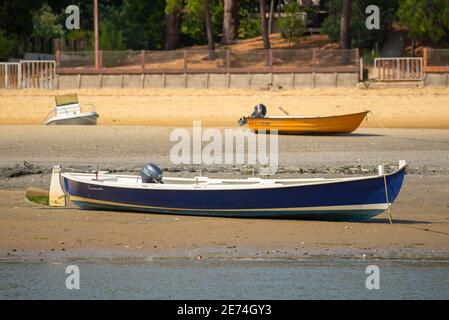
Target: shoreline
{"points": [[214, 254]]}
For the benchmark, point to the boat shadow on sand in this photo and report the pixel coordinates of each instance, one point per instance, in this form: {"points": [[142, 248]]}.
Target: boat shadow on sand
{"points": [[352, 135], [370, 221], [395, 221]]}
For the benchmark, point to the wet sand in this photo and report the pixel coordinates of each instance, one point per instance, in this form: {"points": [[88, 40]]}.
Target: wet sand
{"points": [[421, 212], [420, 230], [127, 148], [392, 108]]}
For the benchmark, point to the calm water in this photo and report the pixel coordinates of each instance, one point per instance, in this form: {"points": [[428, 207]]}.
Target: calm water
{"points": [[187, 279]]}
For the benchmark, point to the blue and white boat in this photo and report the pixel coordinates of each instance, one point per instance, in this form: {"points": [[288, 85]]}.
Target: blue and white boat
{"points": [[350, 198]]}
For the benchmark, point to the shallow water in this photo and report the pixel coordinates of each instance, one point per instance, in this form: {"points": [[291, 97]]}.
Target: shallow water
{"points": [[224, 279]]}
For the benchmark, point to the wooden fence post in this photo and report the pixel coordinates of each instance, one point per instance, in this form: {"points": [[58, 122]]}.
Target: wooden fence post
{"points": [[6, 76], [100, 59], [270, 58], [142, 60], [185, 60], [361, 68], [19, 76], [424, 57]]}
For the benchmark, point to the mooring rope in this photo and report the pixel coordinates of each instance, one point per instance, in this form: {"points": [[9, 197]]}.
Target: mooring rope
{"points": [[388, 202], [375, 120]]}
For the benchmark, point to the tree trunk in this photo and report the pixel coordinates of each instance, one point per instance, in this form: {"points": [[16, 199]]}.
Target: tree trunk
{"points": [[42, 48], [344, 26], [270, 19], [230, 21], [172, 29], [50, 46], [264, 25], [210, 36]]}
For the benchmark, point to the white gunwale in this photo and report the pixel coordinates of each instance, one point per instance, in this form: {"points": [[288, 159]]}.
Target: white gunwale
{"points": [[306, 117], [205, 183]]}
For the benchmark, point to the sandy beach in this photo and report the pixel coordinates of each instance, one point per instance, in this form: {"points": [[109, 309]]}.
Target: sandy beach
{"points": [[420, 214], [390, 108]]}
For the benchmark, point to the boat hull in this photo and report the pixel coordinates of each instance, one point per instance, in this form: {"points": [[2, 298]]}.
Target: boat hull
{"points": [[313, 125], [88, 118], [343, 200]]}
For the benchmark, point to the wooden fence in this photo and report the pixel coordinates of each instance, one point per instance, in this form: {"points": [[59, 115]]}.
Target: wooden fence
{"points": [[203, 61], [436, 60]]}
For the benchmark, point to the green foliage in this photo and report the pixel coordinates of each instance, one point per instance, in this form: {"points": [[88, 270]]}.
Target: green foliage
{"points": [[46, 23], [15, 16], [143, 23], [291, 23], [110, 32], [369, 56], [331, 27], [361, 37], [7, 46], [77, 34], [311, 12], [217, 13], [110, 38], [425, 19], [172, 5], [249, 27], [193, 25]]}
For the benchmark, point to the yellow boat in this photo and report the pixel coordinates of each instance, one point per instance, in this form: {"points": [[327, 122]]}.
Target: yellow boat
{"points": [[306, 125]]}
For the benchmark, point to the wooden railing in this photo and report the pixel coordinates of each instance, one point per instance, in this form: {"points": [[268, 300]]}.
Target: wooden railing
{"points": [[204, 61], [9, 75], [26, 74], [37, 74], [398, 69]]}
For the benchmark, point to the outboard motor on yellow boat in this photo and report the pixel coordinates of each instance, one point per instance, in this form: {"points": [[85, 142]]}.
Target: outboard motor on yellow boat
{"points": [[260, 111], [151, 174]]}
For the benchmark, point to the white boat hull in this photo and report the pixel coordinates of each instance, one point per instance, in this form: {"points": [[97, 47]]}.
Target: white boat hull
{"points": [[85, 118]]}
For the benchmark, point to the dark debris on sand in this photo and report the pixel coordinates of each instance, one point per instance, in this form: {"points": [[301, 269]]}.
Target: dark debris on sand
{"points": [[20, 170]]}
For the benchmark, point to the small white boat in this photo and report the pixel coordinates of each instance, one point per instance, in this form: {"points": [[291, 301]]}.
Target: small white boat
{"points": [[68, 112]]}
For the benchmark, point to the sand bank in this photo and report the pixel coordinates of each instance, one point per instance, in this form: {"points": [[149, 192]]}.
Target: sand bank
{"points": [[421, 212], [394, 108], [420, 230], [127, 148]]}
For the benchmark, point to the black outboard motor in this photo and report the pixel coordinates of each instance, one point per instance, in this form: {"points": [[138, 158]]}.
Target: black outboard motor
{"points": [[242, 121], [260, 111], [151, 174]]}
